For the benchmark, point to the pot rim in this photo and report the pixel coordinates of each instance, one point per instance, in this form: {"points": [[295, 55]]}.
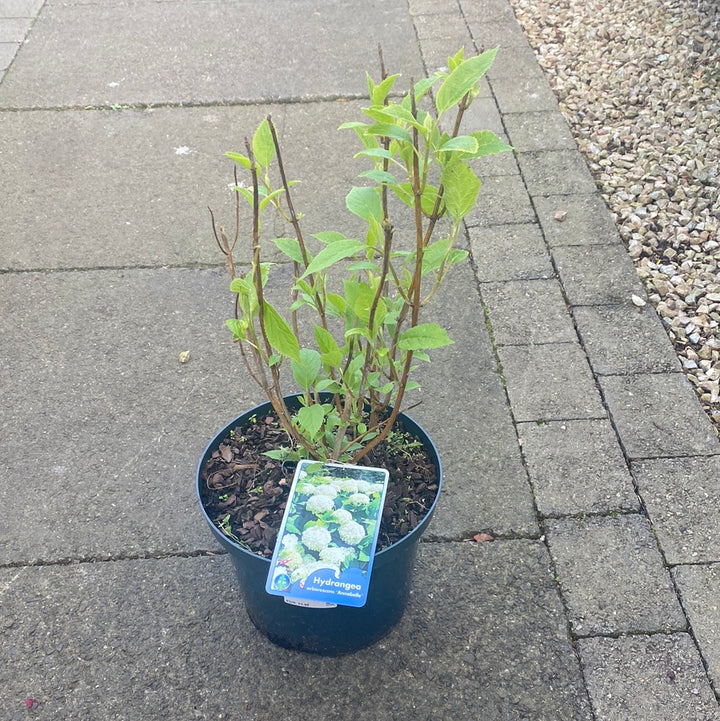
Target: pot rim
{"points": [[415, 427]]}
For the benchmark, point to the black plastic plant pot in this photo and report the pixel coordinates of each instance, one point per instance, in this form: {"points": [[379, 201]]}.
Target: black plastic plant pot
{"points": [[326, 631]]}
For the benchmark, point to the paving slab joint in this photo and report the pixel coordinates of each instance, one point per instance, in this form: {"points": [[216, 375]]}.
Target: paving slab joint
{"points": [[113, 558]]}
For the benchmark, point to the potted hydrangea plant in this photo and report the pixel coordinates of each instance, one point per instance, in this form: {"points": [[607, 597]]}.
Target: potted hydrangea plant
{"points": [[349, 341]]}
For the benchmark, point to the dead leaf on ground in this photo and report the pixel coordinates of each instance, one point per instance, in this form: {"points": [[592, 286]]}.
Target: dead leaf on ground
{"points": [[482, 538]]}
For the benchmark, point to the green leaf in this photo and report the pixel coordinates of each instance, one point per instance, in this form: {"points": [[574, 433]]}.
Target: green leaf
{"points": [[462, 80], [462, 143], [331, 353], [331, 254], [310, 419], [306, 369], [365, 203], [247, 295], [456, 256], [329, 236], [365, 265], [240, 285], [390, 130], [455, 60], [421, 87], [489, 144], [329, 385], [237, 327], [379, 176], [435, 254], [461, 188], [238, 158], [375, 153], [424, 337], [379, 92], [289, 247], [279, 333], [401, 113], [352, 125], [262, 144], [282, 454], [246, 193], [336, 305]]}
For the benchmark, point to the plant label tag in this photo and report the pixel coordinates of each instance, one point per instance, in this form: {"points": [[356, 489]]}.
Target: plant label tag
{"points": [[326, 545], [309, 604]]}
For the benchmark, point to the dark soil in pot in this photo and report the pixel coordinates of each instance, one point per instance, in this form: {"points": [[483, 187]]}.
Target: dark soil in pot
{"points": [[244, 492]]}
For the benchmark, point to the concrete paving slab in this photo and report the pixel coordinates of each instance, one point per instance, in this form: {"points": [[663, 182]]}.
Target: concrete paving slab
{"points": [[199, 52], [175, 158], [432, 7], [700, 592], [682, 496], [523, 95], [549, 382], [521, 62], [486, 11], [597, 275], [586, 219], [505, 33], [523, 312], [19, 8], [577, 467], [13, 30], [7, 53], [102, 425], [658, 414], [503, 199], [612, 576], [509, 252], [483, 637], [75, 342], [450, 27], [539, 131], [647, 677], [625, 339], [555, 172]]}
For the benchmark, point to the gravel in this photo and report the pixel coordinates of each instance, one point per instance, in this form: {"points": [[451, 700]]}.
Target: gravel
{"points": [[639, 84]]}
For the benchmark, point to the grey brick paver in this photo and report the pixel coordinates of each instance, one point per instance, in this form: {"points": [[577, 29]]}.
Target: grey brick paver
{"points": [[700, 592], [612, 576], [522, 95], [515, 315], [597, 275], [658, 414], [19, 8], [518, 62], [539, 131], [504, 200], [577, 467], [7, 53], [657, 677], [550, 382], [625, 339], [13, 30], [586, 219], [682, 496], [510, 252], [555, 172]]}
